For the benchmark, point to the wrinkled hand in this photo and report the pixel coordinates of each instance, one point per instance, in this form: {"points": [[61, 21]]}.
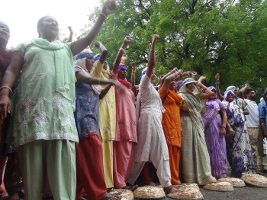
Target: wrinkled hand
{"points": [[222, 132], [180, 71], [127, 40], [231, 132], [97, 44], [217, 77], [108, 7], [4, 106], [70, 28]]}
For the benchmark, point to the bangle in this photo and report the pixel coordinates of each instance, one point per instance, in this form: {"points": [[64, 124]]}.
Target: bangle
{"points": [[223, 126], [99, 80], [217, 83], [123, 50], [103, 15], [7, 88], [152, 50]]}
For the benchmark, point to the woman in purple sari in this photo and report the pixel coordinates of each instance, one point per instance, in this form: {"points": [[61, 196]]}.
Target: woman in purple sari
{"points": [[215, 120]]}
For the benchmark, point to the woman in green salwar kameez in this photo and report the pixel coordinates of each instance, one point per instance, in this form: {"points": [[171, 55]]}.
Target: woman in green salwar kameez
{"points": [[43, 126]]}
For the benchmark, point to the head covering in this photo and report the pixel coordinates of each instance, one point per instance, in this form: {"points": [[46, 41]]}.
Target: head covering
{"points": [[3, 23], [188, 80], [96, 57], [122, 66], [227, 92], [80, 62], [178, 85], [45, 18], [144, 72], [232, 88]]}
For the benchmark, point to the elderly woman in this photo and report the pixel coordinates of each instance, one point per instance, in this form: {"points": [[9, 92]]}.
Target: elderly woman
{"points": [[126, 138], [196, 160], [215, 120], [238, 143], [88, 92], [171, 121], [43, 125], [107, 110], [151, 144]]}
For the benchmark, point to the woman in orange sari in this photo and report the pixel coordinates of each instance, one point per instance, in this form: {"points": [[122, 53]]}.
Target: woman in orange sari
{"points": [[171, 121]]}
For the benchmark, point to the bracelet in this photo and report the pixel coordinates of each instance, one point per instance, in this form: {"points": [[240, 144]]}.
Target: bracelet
{"points": [[123, 50], [223, 126], [7, 88], [262, 123], [217, 83], [103, 15], [99, 80], [152, 50]]}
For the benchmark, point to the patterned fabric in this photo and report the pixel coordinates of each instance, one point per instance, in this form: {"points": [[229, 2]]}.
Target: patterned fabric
{"points": [[107, 107], [44, 101], [215, 143], [149, 122], [126, 117], [87, 108], [196, 160], [171, 120], [238, 147]]}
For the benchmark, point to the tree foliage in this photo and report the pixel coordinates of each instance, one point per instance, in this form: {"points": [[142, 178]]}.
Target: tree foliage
{"points": [[207, 36]]}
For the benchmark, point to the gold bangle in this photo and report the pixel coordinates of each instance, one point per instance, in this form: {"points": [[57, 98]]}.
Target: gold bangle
{"points": [[7, 88], [103, 15]]}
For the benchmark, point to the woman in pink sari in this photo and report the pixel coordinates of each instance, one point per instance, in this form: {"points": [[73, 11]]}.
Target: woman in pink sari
{"points": [[123, 147]]}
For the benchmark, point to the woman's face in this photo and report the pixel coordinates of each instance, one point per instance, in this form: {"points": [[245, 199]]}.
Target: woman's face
{"points": [[122, 74], [212, 96], [230, 97], [105, 65], [89, 62], [153, 77], [49, 29], [172, 86], [191, 86], [213, 90], [4, 35]]}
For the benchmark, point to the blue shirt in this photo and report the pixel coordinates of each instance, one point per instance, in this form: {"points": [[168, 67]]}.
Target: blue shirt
{"points": [[263, 111]]}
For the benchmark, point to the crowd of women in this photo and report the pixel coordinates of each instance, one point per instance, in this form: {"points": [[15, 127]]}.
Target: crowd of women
{"points": [[80, 127]]}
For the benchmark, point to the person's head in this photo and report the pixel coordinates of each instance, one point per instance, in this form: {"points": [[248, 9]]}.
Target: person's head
{"points": [[47, 28], [213, 89], [190, 84], [212, 96], [249, 93], [4, 34], [229, 96], [122, 72], [233, 89], [85, 59]]}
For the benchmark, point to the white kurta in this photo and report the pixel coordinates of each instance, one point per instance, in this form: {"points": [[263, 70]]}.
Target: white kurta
{"points": [[151, 145]]}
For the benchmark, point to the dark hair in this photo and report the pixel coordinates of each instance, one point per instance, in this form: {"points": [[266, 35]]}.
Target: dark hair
{"points": [[247, 91]]}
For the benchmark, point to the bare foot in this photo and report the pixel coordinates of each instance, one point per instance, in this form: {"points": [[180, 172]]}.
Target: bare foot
{"points": [[170, 189], [110, 197], [259, 172], [132, 188]]}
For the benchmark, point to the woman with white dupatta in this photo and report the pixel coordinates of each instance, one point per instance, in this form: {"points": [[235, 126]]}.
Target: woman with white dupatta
{"points": [[151, 145]]}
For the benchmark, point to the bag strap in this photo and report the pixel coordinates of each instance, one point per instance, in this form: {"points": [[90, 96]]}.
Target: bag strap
{"points": [[164, 98]]}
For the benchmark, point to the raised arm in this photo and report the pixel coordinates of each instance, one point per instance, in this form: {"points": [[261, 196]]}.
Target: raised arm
{"points": [[71, 34], [208, 92], [82, 43], [126, 41], [170, 78], [241, 91], [133, 76], [217, 78], [8, 81], [104, 51], [193, 75], [151, 62]]}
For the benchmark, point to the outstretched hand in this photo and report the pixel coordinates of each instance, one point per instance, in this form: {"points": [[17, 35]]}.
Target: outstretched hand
{"points": [[188, 73], [70, 28], [127, 40], [217, 77], [108, 7], [134, 65], [202, 78]]}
